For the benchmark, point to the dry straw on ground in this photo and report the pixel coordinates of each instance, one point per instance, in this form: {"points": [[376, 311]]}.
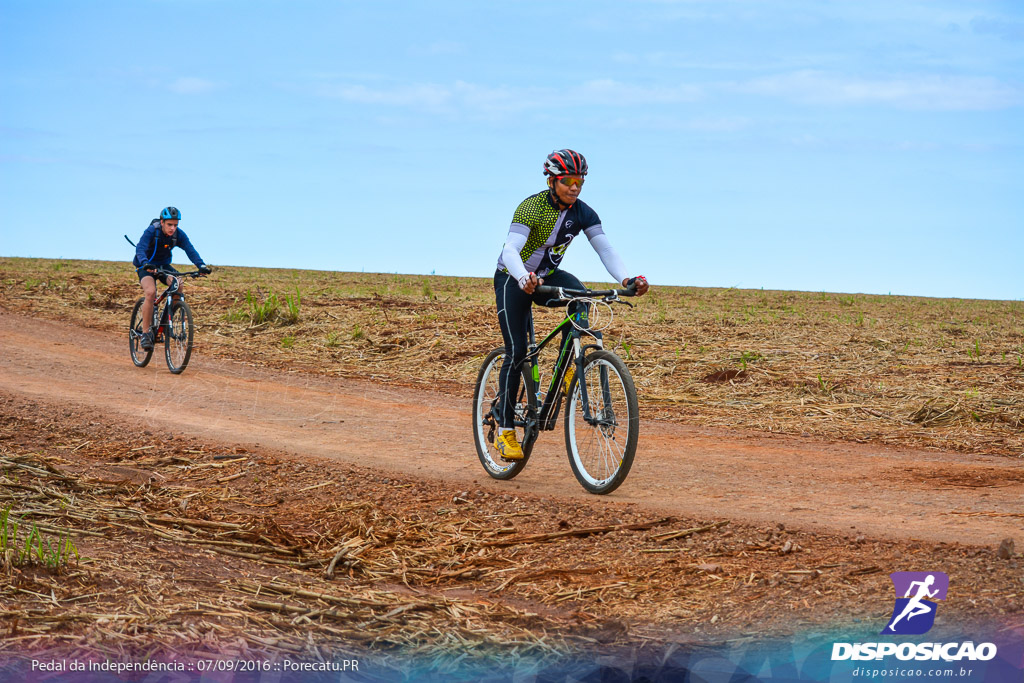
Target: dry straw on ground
{"points": [[188, 551]]}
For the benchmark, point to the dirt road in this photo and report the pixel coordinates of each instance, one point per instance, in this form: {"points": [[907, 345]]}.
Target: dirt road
{"points": [[746, 476]]}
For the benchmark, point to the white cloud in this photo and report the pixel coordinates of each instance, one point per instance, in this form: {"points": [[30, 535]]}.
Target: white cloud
{"points": [[723, 124], [441, 48], [499, 100], [670, 122], [192, 86], [425, 95], [459, 97], [683, 60], [1005, 29], [479, 99], [924, 92], [615, 93], [815, 87]]}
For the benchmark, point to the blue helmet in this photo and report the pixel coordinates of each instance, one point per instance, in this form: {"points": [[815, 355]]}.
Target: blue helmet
{"points": [[170, 214]]}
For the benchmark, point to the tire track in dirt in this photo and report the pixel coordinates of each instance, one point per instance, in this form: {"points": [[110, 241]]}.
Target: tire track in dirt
{"points": [[696, 472]]}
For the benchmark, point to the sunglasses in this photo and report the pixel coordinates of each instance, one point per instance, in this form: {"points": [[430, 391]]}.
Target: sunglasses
{"points": [[570, 180]]}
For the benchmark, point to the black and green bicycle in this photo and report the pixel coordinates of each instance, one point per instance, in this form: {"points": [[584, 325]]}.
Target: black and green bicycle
{"points": [[602, 420]]}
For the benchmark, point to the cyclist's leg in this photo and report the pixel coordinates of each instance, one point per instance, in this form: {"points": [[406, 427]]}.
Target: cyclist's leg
{"points": [[149, 294], [513, 318], [562, 278], [580, 311], [167, 280]]}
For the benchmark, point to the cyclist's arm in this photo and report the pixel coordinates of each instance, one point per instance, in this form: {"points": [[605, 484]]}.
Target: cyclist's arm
{"points": [[186, 244], [144, 246], [609, 257], [510, 255]]}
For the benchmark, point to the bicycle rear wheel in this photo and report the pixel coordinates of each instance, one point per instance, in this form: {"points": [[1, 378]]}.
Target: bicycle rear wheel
{"points": [[601, 447], [178, 337], [485, 418], [139, 355]]}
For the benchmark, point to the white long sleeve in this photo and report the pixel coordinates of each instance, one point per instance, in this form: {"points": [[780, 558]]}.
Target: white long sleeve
{"points": [[510, 257], [609, 257]]}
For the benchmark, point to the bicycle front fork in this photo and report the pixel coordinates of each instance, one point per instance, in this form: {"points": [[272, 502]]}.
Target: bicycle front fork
{"points": [[606, 414]]}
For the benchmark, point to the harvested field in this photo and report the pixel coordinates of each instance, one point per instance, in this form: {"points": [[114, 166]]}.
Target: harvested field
{"points": [[189, 550], [188, 546], [893, 370]]}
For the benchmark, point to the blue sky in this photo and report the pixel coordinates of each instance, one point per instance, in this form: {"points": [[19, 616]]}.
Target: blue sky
{"points": [[870, 146]]}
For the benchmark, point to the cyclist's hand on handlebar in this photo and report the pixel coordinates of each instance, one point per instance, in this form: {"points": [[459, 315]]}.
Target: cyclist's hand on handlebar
{"points": [[529, 282], [640, 282], [205, 269]]}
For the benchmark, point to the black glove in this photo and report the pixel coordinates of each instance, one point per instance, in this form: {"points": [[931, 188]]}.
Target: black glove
{"points": [[205, 269], [145, 266]]}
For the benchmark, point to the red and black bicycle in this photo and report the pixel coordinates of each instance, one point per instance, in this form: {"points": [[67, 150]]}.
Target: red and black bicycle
{"points": [[172, 325]]}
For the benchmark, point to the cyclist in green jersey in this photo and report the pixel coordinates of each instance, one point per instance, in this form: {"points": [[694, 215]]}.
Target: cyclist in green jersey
{"points": [[542, 227]]}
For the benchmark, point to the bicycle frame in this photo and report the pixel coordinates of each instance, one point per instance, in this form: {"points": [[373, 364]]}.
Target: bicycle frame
{"points": [[574, 348], [601, 429], [166, 298], [571, 351], [170, 323]]}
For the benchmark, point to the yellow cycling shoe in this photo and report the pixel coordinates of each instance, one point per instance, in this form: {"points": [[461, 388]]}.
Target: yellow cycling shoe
{"points": [[508, 446], [569, 374]]}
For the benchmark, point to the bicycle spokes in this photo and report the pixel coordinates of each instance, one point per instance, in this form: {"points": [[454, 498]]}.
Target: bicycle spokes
{"points": [[486, 418], [605, 416], [602, 423], [178, 337], [140, 356]]}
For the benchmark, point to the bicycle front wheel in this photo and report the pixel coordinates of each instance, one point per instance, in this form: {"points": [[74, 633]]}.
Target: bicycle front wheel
{"points": [[485, 418], [178, 337], [601, 436], [139, 355]]}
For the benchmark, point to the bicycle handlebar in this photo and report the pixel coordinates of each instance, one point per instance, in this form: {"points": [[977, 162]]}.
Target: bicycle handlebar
{"points": [[160, 270], [565, 294]]}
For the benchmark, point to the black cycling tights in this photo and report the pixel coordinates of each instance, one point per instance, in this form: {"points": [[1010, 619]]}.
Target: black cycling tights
{"points": [[514, 320]]}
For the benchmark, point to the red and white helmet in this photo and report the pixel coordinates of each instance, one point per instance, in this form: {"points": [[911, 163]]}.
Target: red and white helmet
{"points": [[565, 162]]}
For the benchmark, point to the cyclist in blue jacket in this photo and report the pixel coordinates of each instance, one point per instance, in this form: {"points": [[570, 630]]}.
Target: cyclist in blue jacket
{"points": [[154, 251]]}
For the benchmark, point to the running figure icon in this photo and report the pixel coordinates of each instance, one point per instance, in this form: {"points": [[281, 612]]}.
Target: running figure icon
{"points": [[919, 590], [916, 607]]}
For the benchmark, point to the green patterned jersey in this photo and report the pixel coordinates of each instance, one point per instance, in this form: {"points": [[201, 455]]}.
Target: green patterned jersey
{"points": [[549, 231]]}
